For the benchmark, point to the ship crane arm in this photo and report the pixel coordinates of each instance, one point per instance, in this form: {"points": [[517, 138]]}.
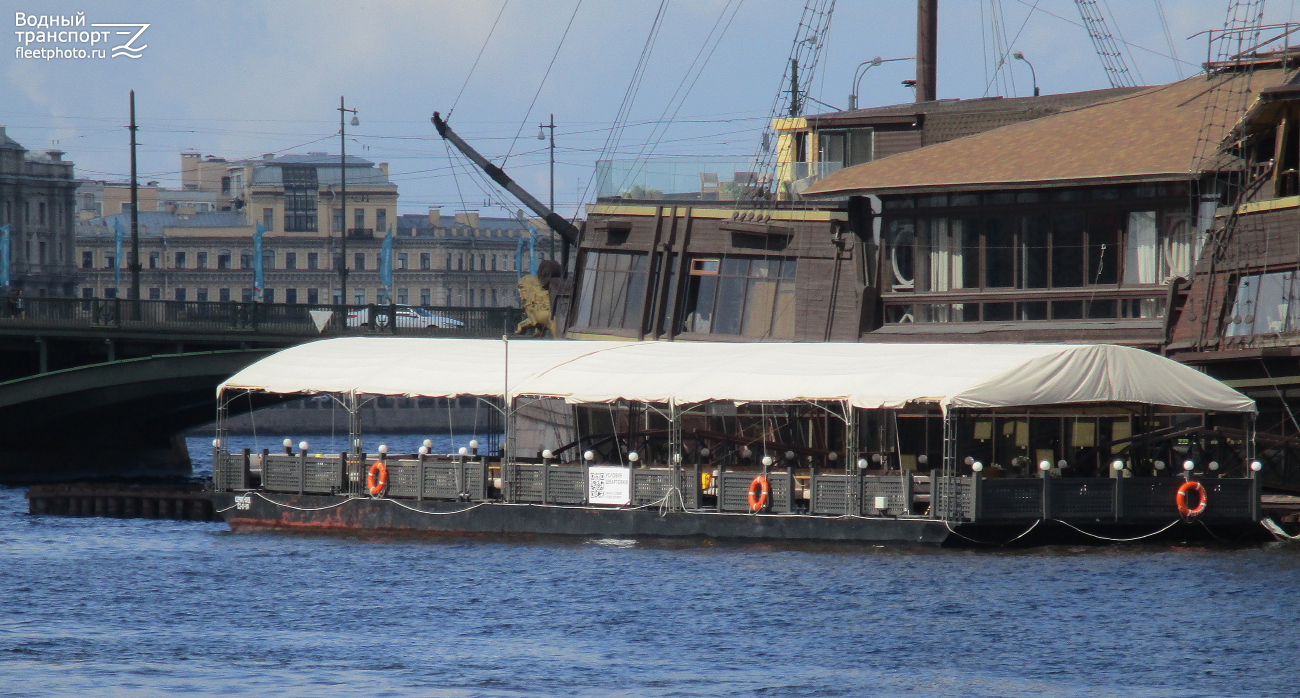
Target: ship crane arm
{"points": [[553, 219]]}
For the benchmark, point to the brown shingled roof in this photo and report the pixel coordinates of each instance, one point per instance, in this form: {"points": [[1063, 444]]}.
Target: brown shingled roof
{"points": [[1147, 134]]}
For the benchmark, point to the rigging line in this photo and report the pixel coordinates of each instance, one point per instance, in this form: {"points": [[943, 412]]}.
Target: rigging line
{"points": [[1169, 37], [1003, 58], [1130, 45], [476, 58], [1114, 20], [984, 43], [615, 135], [662, 128], [1009, 76], [542, 83], [455, 179]]}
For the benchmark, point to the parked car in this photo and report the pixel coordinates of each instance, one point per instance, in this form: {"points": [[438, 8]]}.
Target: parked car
{"points": [[408, 316]]}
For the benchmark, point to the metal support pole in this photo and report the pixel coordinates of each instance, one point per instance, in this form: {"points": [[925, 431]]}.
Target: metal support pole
{"points": [[343, 206], [135, 222]]}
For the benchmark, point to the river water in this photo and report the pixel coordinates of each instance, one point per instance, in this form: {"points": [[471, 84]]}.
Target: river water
{"points": [[151, 608]]}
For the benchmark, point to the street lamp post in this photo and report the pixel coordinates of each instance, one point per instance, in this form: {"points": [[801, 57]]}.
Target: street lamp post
{"points": [[343, 200], [1021, 57], [861, 71], [541, 137]]}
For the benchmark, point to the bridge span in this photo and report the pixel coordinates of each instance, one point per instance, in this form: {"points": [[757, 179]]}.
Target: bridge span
{"points": [[104, 388]]}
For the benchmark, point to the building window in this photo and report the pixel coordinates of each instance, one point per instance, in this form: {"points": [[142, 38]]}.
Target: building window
{"points": [[338, 297], [87, 260], [313, 296], [180, 294], [425, 262], [448, 267], [381, 297], [200, 260], [494, 262], [300, 188], [246, 295], [313, 260], [41, 251], [359, 261], [110, 293], [223, 259], [268, 219], [87, 292], [268, 295], [460, 262], [268, 259], [359, 296], [359, 218], [155, 259], [40, 215], [426, 296], [225, 186], [338, 220], [746, 296], [180, 260], [403, 296], [381, 220], [155, 294], [291, 296], [201, 295], [482, 262], [494, 298], [246, 259], [223, 295], [290, 260], [338, 261], [401, 260], [110, 262]]}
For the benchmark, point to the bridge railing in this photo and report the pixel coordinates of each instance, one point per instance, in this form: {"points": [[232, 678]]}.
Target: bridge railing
{"points": [[253, 318]]}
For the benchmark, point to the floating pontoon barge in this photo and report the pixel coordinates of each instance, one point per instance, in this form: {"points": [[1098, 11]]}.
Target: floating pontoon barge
{"points": [[920, 443]]}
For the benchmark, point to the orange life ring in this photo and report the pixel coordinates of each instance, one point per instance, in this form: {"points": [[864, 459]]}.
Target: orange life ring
{"points": [[377, 479], [758, 491], [1186, 487]]}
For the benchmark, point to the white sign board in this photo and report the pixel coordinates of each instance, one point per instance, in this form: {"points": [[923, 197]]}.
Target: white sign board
{"points": [[609, 485]]}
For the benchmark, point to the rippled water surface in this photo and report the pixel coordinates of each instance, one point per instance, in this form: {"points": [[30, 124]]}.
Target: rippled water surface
{"points": [[138, 607]]}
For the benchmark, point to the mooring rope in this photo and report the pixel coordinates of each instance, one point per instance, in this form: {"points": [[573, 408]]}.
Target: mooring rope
{"points": [[1121, 540]]}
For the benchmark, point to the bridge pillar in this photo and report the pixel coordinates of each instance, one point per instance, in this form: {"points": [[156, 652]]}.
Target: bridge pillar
{"points": [[44, 350]]}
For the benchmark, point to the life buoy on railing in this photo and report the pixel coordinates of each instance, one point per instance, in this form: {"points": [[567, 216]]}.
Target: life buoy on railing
{"points": [[377, 479], [758, 491], [1191, 486]]}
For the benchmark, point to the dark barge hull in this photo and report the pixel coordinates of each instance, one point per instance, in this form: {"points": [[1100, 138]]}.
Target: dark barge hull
{"points": [[334, 514], [343, 514]]}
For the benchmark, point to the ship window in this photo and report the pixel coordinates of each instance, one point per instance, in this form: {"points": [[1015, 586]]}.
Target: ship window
{"points": [[1265, 303], [746, 296], [613, 284], [705, 267]]}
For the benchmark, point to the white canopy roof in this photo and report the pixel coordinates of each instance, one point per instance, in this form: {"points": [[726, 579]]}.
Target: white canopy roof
{"points": [[866, 375]]}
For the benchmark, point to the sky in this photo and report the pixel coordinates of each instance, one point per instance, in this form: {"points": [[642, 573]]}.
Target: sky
{"points": [[239, 79]]}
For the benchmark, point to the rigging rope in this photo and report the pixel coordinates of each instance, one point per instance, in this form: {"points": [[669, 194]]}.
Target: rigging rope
{"points": [[545, 75], [476, 58]]}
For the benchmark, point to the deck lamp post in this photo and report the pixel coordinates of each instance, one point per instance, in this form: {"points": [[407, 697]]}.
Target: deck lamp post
{"points": [[1021, 57], [343, 199], [861, 71]]}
